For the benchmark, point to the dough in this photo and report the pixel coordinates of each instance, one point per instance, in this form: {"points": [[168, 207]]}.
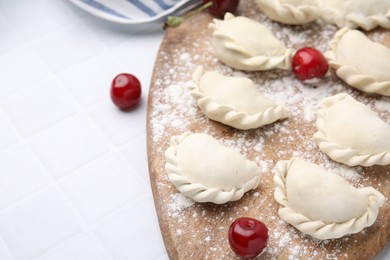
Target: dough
{"points": [[206, 171], [245, 44], [356, 13], [351, 133], [233, 101], [321, 204], [360, 62], [290, 11]]}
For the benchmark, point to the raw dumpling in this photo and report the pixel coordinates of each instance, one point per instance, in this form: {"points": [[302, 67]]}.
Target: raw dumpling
{"points": [[360, 62], [233, 101], [321, 204], [290, 11], [245, 44], [351, 133], [366, 14], [205, 170]]}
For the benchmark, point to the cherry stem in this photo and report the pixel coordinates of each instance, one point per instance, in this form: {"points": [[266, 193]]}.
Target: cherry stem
{"points": [[176, 21]]}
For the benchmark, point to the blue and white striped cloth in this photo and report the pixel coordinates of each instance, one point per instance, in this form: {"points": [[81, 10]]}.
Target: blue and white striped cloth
{"points": [[135, 11]]}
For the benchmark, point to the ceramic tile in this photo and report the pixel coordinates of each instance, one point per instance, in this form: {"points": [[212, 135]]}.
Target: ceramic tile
{"points": [[8, 133], [79, 247], [110, 34], [59, 52], [20, 68], [74, 181], [39, 107], [103, 187], [21, 173], [384, 255], [37, 224], [130, 233], [134, 152], [35, 20], [90, 81], [8, 38], [69, 145], [119, 126], [163, 257], [5, 254], [128, 53]]}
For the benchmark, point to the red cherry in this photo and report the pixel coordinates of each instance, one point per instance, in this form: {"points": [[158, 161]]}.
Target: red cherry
{"points": [[309, 63], [248, 237], [125, 90], [221, 7]]}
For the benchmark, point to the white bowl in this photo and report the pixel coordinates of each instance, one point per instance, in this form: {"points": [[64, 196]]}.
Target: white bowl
{"points": [[135, 11]]}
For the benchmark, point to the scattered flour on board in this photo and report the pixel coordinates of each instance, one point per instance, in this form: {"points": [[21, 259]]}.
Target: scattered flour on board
{"points": [[383, 104], [164, 115], [178, 203]]}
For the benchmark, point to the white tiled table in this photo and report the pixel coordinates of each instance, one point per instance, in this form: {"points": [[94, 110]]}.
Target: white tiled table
{"points": [[74, 182]]}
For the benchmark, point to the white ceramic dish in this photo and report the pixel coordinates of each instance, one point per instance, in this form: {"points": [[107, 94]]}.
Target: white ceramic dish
{"points": [[135, 11]]}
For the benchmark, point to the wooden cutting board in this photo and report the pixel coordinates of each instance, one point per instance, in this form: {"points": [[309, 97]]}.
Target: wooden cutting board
{"points": [[199, 231]]}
